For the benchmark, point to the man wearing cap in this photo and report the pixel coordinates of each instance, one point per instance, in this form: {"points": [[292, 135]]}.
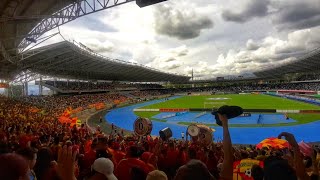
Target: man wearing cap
{"points": [[157, 175], [103, 170]]}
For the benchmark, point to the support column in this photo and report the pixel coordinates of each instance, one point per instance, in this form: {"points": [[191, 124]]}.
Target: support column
{"points": [[26, 88], [22, 89], [192, 79], [40, 86]]}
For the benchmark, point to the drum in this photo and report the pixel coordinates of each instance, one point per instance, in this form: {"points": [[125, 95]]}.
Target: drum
{"points": [[142, 126], [165, 134], [201, 133], [193, 130], [205, 134]]}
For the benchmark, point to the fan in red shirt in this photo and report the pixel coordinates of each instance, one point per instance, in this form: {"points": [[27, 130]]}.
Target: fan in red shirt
{"points": [[172, 156], [83, 131], [146, 157], [89, 158], [125, 166], [117, 154]]}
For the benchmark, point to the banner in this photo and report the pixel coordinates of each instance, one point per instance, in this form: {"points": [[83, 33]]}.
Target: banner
{"points": [[4, 85], [100, 106], [66, 117], [242, 169], [74, 111], [172, 110], [117, 101], [97, 106], [34, 109]]}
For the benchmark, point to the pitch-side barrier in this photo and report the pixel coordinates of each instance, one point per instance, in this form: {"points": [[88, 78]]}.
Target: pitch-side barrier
{"points": [[204, 110]]}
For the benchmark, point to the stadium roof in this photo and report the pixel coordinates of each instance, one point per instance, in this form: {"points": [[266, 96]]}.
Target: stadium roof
{"points": [[23, 22], [308, 63], [74, 60], [17, 19]]}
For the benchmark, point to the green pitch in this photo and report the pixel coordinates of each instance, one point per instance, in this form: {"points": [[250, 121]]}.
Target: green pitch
{"points": [[246, 101]]}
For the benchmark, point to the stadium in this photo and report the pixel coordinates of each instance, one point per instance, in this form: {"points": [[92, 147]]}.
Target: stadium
{"points": [[104, 116]]}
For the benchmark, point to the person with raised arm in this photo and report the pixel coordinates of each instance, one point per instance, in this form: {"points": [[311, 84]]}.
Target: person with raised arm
{"points": [[66, 162], [227, 164], [315, 164], [299, 166], [196, 169]]}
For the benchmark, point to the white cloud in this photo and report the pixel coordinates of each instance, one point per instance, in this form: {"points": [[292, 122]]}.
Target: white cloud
{"points": [[251, 45], [270, 52], [251, 9], [100, 47], [169, 60], [130, 33], [179, 23]]}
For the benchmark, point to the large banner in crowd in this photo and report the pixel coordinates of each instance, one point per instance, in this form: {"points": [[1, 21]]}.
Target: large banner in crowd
{"points": [[242, 169], [66, 117], [4, 85]]}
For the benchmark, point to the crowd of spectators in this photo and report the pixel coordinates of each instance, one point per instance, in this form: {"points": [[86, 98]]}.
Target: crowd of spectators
{"points": [[90, 86], [157, 89], [281, 86], [35, 145], [308, 77], [148, 94], [235, 88], [253, 87], [57, 104], [30, 143]]}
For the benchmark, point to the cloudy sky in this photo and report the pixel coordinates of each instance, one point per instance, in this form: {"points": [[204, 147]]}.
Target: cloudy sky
{"points": [[212, 37]]}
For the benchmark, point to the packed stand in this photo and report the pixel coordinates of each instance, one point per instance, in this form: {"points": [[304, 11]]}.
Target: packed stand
{"points": [[251, 87], [57, 104], [147, 94], [280, 86], [103, 86], [36, 146], [147, 90], [77, 86], [308, 77]]}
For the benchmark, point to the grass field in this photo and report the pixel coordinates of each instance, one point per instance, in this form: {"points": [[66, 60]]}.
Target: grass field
{"points": [[248, 101]]}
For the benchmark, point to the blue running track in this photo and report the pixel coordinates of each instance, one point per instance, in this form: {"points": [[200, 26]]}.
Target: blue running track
{"points": [[209, 119], [124, 118]]}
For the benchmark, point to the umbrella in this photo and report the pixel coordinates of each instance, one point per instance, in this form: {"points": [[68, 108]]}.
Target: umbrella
{"points": [[274, 143]]}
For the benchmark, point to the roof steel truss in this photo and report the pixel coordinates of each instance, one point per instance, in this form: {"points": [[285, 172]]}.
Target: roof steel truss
{"points": [[4, 53], [67, 14]]}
